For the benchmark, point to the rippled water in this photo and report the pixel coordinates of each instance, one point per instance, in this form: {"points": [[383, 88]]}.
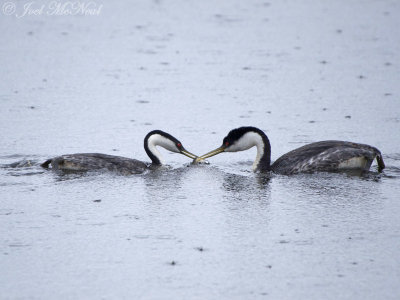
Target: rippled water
{"points": [[301, 72]]}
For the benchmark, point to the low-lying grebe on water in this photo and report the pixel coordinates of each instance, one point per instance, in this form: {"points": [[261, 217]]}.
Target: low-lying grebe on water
{"points": [[325, 156], [97, 161]]}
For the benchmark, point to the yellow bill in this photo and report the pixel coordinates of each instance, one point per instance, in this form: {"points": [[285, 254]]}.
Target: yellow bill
{"points": [[209, 154], [188, 154]]}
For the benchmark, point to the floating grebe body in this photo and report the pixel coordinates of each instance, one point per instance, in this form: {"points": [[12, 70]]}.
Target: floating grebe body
{"points": [[98, 161], [326, 156], [83, 162]]}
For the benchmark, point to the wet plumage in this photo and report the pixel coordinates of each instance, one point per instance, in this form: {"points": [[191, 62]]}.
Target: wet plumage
{"points": [[97, 161], [327, 156]]}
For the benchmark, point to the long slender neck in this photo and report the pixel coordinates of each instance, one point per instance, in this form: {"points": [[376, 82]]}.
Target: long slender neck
{"points": [[152, 151], [262, 162]]}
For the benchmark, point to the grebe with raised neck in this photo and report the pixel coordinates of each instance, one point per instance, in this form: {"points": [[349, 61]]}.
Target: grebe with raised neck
{"points": [[324, 156]]}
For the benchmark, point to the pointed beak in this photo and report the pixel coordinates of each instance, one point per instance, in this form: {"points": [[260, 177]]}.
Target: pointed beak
{"points": [[211, 153], [188, 154]]}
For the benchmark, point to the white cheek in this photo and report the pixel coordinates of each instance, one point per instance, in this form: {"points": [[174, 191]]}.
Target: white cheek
{"points": [[247, 141], [169, 145], [158, 140], [234, 148]]}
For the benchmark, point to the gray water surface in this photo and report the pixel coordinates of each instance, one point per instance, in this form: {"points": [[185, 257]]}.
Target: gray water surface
{"points": [[302, 72]]}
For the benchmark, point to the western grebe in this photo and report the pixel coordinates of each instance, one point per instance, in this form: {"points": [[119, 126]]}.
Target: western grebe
{"points": [[96, 161], [328, 156]]}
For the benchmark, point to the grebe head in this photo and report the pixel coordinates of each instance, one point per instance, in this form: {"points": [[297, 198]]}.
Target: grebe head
{"points": [[244, 138], [160, 138]]}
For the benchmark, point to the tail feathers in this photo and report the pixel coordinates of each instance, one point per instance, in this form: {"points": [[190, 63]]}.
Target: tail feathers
{"points": [[379, 160], [46, 164]]}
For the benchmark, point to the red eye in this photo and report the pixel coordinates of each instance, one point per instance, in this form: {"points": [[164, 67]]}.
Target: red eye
{"points": [[227, 144], [179, 145]]}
